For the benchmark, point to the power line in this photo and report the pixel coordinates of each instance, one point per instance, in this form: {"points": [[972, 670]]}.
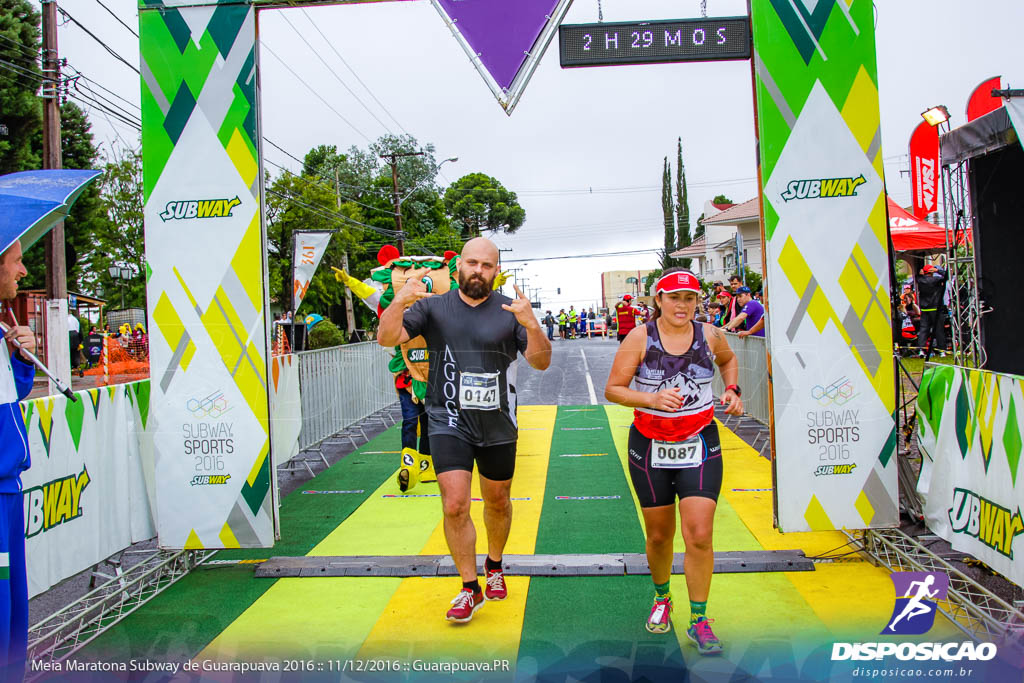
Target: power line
{"points": [[94, 37], [111, 13], [318, 96], [309, 181], [330, 44], [576, 256], [27, 50], [28, 73], [110, 103], [284, 16], [105, 89], [291, 156], [333, 215]]}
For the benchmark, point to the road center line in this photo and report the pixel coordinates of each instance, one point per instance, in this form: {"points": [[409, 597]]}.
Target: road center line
{"points": [[590, 382]]}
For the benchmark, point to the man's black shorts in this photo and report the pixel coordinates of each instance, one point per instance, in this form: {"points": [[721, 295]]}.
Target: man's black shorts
{"points": [[657, 486], [497, 463]]}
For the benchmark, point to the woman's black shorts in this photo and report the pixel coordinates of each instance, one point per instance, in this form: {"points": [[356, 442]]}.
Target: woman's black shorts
{"points": [[657, 486]]}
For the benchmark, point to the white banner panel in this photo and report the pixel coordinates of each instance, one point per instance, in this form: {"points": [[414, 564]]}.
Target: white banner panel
{"points": [[285, 407], [970, 433], [826, 236], [85, 496], [309, 249], [205, 248]]}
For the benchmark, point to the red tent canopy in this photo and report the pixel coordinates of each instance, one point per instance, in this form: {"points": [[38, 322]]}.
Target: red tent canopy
{"points": [[913, 234]]}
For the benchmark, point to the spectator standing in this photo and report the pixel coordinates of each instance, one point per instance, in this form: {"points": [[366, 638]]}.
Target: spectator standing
{"points": [[931, 287]]}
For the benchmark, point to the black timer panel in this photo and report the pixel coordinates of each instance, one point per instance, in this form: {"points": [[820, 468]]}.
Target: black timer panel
{"points": [[642, 42]]}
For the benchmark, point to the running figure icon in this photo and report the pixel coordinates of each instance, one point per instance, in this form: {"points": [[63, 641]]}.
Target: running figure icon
{"points": [[916, 607]]}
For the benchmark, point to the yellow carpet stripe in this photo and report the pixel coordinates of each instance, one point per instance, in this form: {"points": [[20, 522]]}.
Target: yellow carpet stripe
{"points": [[412, 625], [337, 614], [848, 597]]}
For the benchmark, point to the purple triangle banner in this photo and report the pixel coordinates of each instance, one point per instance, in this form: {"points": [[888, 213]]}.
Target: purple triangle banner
{"points": [[501, 32]]}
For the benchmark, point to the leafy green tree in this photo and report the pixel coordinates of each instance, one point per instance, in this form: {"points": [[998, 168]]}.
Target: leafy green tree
{"points": [[324, 335], [88, 215], [683, 238], [479, 203], [305, 203], [651, 278], [20, 108], [119, 240]]}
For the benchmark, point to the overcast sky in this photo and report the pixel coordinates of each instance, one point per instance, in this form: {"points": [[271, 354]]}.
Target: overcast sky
{"points": [[584, 148]]}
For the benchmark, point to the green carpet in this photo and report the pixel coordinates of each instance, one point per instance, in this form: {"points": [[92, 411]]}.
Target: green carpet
{"points": [[576, 626]]}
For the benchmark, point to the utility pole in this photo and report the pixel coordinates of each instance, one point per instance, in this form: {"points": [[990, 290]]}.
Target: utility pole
{"points": [[350, 315], [57, 347], [393, 159]]}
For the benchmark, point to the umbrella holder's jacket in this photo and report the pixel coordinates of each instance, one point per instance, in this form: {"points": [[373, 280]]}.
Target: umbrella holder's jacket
{"points": [[15, 384]]}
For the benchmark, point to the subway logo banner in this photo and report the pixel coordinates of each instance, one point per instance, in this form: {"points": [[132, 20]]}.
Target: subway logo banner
{"points": [[205, 248], [970, 430], [823, 206], [86, 494]]}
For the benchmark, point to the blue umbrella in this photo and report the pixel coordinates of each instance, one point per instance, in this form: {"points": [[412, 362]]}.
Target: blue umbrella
{"points": [[32, 202]]}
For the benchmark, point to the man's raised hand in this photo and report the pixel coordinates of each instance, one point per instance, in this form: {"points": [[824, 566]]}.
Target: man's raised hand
{"points": [[522, 310], [414, 289]]}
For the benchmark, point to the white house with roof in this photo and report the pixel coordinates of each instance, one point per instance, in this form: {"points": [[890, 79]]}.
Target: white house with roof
{"points": [[696, 251], [729, 236]]}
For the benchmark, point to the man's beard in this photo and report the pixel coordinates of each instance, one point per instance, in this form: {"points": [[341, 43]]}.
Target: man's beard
{"points": [[475, 286]]}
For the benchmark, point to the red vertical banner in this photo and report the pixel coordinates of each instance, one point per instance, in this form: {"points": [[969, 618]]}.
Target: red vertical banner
{"points": [[924, 169], [981, 101]]}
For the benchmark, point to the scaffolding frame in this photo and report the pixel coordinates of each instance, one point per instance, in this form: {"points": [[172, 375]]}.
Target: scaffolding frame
{"points": [[967, 307], [978, 612], [68, 630]]}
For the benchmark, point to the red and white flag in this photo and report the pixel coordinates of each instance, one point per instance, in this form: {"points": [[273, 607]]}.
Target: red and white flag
{"points": [[309, 249], [924, 169]]}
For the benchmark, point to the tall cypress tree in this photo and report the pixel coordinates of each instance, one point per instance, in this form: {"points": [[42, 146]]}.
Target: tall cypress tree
{"points": [[667, 210], [682, 208]]}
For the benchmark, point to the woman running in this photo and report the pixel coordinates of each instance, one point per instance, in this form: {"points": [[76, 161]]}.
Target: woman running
{"points": [[674, 449]]}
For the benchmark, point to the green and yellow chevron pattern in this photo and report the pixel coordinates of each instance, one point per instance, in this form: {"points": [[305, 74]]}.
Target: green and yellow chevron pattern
{"points": [[828, 317], [199, 73]]}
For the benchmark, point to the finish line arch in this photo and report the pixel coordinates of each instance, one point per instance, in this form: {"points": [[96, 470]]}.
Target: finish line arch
{"points": [[824, 234]]}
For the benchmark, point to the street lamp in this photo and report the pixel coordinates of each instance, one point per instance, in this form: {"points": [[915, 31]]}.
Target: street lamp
{"points": [[121, 276], [437, 169]]}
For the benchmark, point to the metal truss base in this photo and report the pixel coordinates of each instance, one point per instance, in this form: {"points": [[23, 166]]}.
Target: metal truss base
{"points": [[65, 632]]}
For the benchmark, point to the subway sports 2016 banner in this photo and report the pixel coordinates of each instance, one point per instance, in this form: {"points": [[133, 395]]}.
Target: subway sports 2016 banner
{"points": [[826, 248], [970, 432], [205, 248]]}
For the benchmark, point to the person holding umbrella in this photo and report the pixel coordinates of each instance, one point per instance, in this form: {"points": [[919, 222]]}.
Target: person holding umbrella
{"points": [[33, 202]]}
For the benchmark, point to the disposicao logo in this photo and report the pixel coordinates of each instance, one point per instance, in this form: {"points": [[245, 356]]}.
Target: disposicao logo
{"points": [[199, 208], [916, 595], [823, 188], [914, 614]]}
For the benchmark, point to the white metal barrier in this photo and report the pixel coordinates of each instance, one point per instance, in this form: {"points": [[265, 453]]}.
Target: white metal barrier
{"points": [[753, 379], [341, 386]]}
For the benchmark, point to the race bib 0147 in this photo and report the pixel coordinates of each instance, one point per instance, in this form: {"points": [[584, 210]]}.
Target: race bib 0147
{"points": [[479, 391]]}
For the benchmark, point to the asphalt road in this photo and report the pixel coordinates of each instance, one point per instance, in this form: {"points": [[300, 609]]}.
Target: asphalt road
{"points": [[565, 381]]}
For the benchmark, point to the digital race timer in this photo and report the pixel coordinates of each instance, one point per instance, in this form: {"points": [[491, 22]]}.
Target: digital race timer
{"points": [[641, 42]]}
